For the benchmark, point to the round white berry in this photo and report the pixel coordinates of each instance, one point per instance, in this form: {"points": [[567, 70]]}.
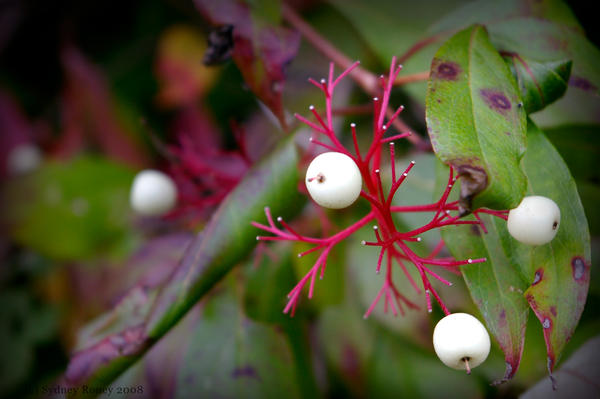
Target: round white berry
{"points": [[333, 180], [153, 193], [461, 341], [23, 159], [535, 221]]}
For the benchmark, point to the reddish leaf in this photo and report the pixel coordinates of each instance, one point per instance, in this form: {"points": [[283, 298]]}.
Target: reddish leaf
{"points": [[261, 51], [204, 171], [129, 343], [87, 110]]}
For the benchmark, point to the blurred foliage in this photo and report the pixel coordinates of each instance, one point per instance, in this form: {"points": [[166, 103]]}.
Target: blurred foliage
{"points": [[107, 88], [56, 212]]}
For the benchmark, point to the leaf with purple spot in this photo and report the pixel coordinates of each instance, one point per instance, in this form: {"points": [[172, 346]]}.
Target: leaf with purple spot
{"points": [[474, 121], [544, 31], [557, 273], [562, 267]]}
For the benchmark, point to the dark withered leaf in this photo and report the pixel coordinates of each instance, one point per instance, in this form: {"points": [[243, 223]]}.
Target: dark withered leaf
{"points": [[220, 45]]}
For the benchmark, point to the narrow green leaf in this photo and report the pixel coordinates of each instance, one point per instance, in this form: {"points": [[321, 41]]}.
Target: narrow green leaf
{"points": [[229, 236], [562, 267], [227, 239], [475, 122], [574, 108], [540, 83]]}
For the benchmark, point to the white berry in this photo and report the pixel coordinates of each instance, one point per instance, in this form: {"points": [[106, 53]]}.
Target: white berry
{"points": [[333, 180], [153, 193], [535, 221], [23, 159], [461, 341]]}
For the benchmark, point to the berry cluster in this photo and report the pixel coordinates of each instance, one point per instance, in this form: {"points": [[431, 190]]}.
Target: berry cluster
{"points": [[335, 180]]}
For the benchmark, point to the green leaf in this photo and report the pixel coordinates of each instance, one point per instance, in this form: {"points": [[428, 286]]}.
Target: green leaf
{"points": [[547, 41], [590, 197], [391, 30], [496, 285], [229, 236], [540, 30], [579, 145], [398, 369], [540, 83], [574, 108], [71, 211], [231, 356], [347, 343], [24, 325], [268, 284], [418, 189], [474, 121], [227, 239], [561, 277], [553, 278], [490, 12], [330, 289]]}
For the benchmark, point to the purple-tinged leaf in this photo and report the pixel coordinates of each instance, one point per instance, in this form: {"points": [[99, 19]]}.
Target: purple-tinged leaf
{"points": [[225, 241], [552, 279], [125, 346], [88, 112], [240, 357], [16, 130], [560, 270], [130, 287]]}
